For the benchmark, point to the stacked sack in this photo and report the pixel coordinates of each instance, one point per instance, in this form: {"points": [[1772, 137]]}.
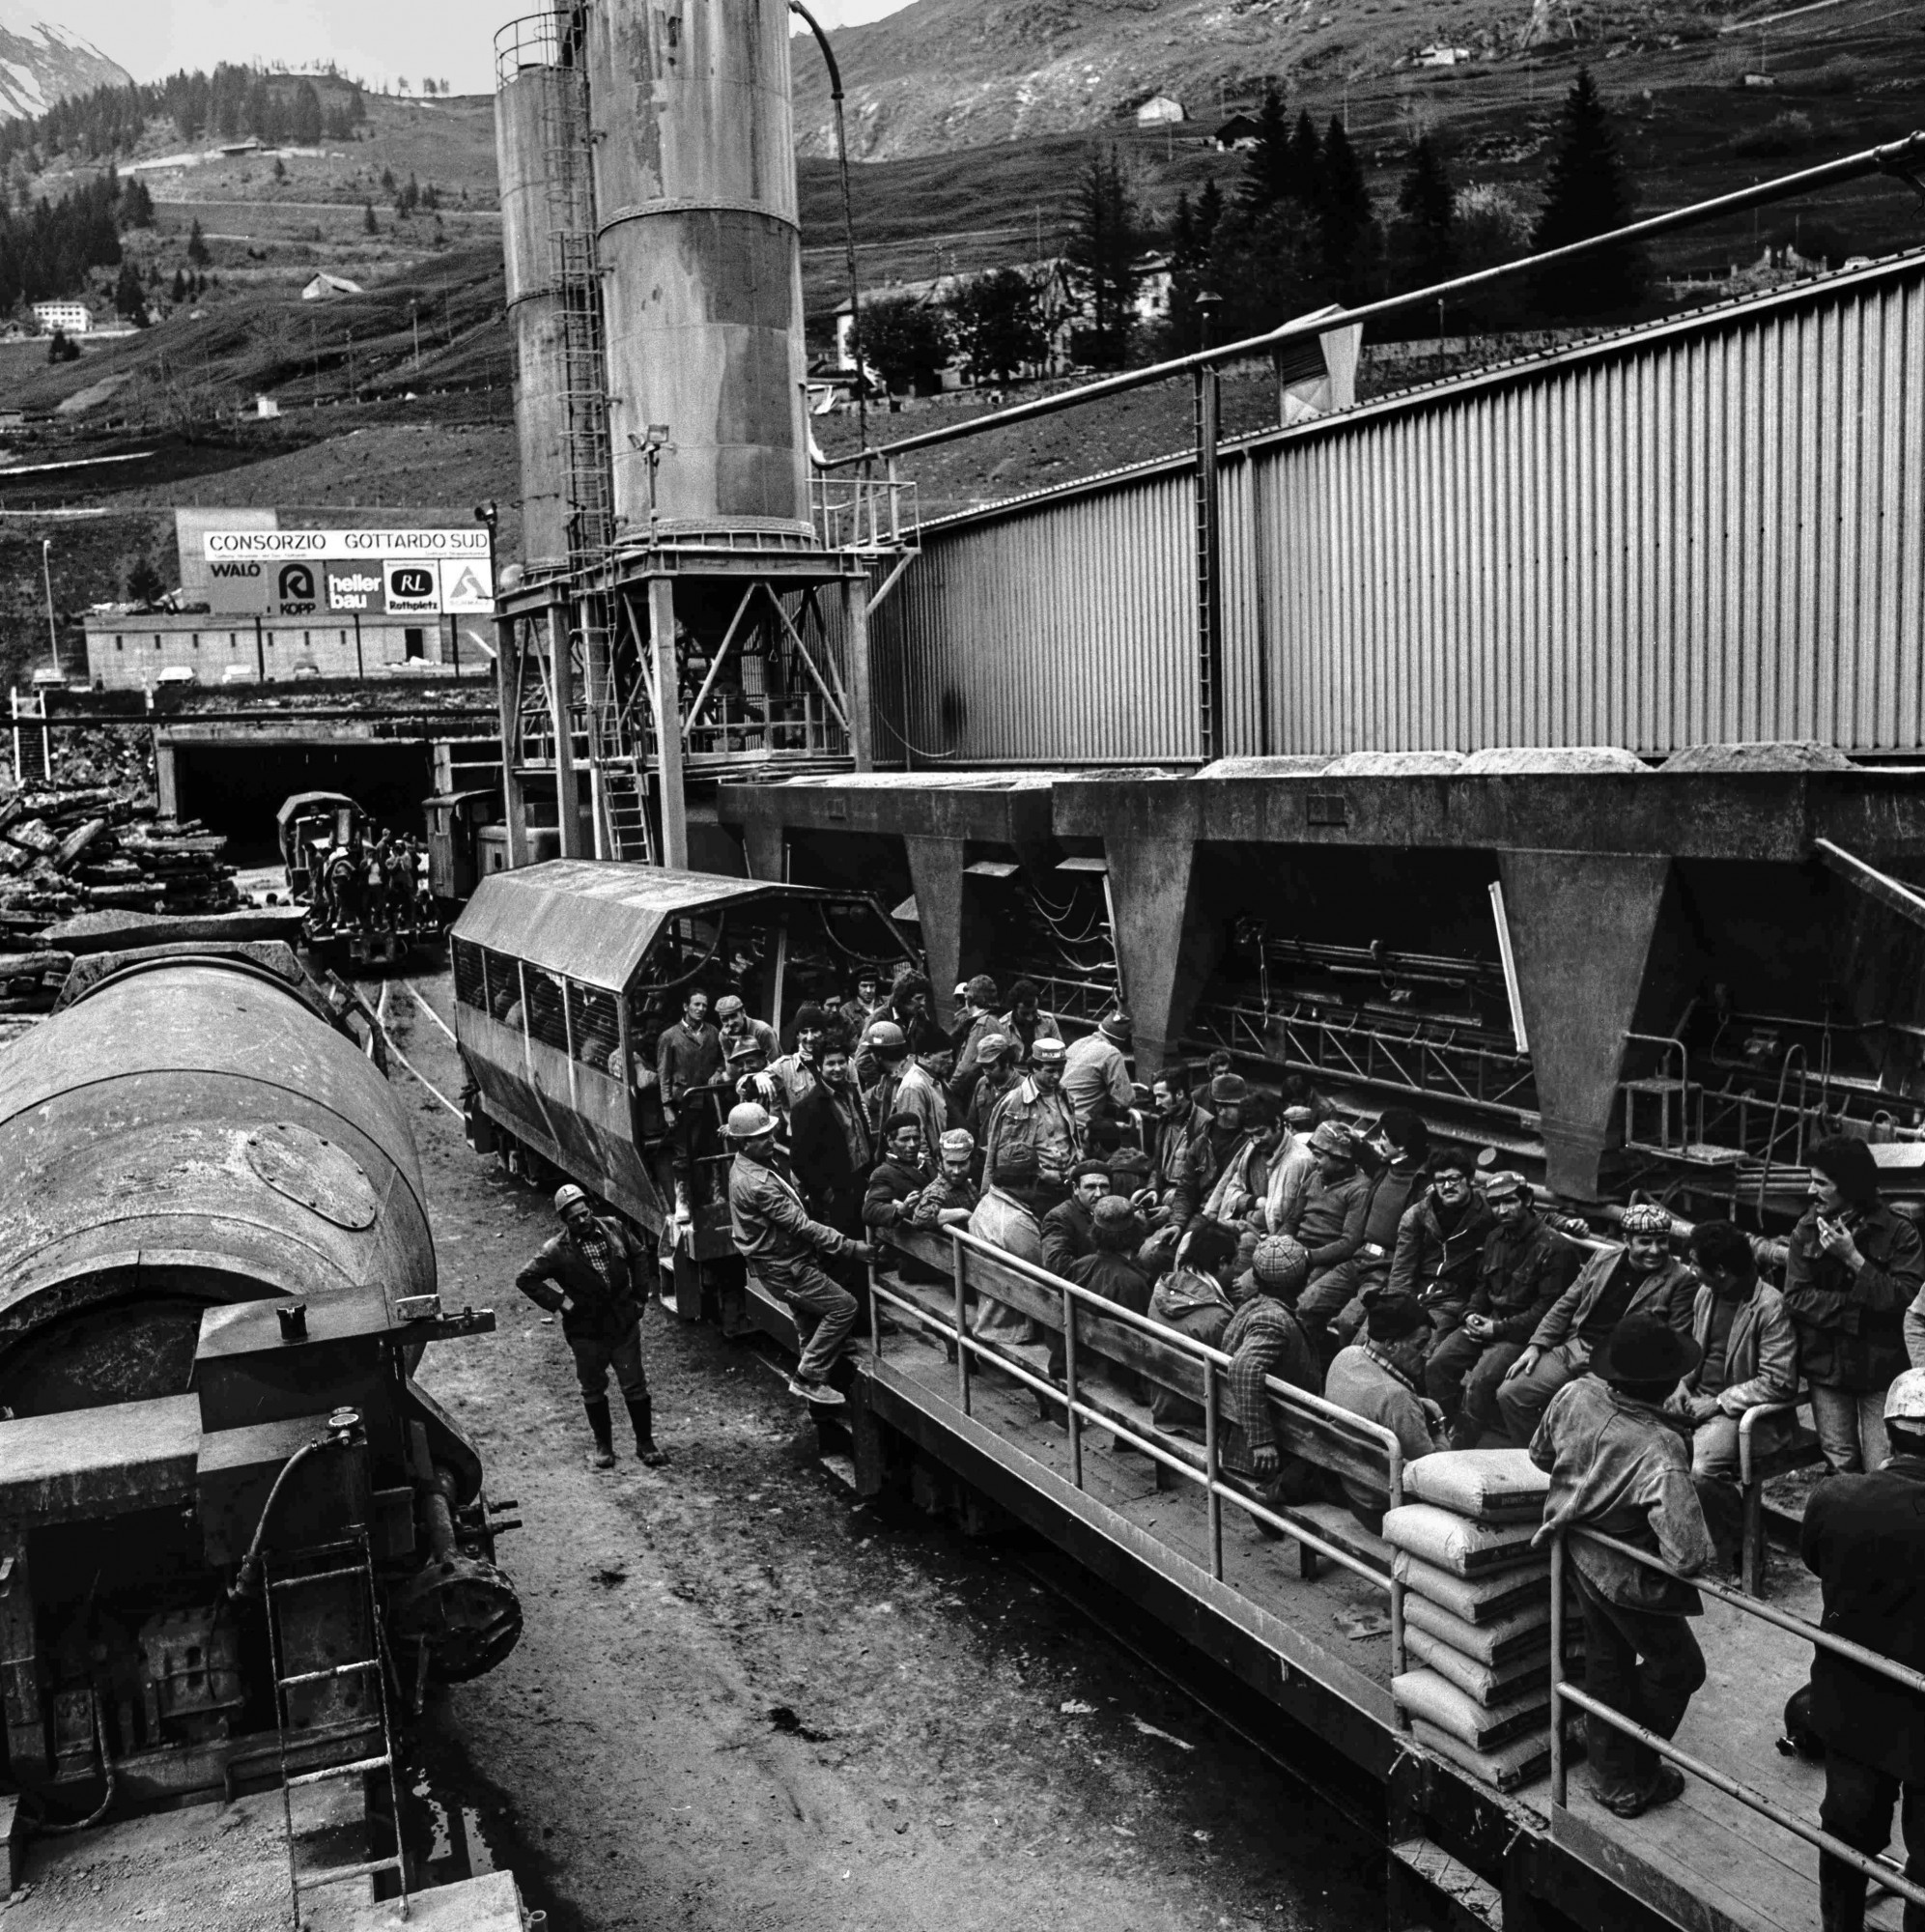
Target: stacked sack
{"points": [[1476, 1611]]}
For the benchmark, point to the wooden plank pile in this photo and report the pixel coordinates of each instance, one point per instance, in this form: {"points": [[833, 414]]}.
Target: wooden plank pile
{"points": [[69, 848]]}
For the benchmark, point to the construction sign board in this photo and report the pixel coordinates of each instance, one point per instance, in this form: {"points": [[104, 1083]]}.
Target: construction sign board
{"points": [[403, 573]]}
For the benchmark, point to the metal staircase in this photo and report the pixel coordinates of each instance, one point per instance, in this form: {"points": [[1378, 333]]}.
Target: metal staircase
{"points": [[346, 1563]]}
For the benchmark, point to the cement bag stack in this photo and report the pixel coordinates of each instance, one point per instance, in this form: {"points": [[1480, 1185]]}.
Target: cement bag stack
{"points": [[1476, 1611]]}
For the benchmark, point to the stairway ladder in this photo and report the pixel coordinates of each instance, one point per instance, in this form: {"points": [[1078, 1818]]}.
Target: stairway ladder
{"points": [[624, 794], [360, 1564]]}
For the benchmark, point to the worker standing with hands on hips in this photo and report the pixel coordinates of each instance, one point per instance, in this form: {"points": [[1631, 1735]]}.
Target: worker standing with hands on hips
{"points": [[592, 1274]]}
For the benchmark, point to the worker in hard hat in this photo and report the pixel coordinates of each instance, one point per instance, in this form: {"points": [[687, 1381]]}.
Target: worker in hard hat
{"points": [[594, 1274], [1864, 1536], [784, 1249]]}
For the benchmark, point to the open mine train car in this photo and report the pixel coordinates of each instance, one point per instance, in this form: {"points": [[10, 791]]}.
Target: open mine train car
{"points": [[565, 976], [378, 926], [236, 1534]]}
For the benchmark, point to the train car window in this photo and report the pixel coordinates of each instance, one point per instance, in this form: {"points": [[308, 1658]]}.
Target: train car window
{"points": [[503, 979], [596, 1026], [548, 1022], [471, 981]]}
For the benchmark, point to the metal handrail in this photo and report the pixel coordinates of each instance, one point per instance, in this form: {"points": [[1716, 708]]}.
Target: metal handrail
{"points": [[1883, 1870], [1670, 1043], [1796, 1051], [956, 1332]]}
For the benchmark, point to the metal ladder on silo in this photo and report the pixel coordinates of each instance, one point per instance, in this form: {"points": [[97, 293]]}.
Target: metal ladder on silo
{"points": [[358, 1564]]}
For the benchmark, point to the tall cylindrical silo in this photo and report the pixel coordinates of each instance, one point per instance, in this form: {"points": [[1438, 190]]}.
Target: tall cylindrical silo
{"points": [[541, 102], [701, 260]]}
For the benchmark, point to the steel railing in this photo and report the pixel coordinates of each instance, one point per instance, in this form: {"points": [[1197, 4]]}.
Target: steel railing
{"points": [[1883, 1870], [1213, 1362]]}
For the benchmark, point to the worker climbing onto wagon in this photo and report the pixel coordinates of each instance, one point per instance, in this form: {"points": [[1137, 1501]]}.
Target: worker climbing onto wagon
{"points": [[594, 1275], [783, 1248]]}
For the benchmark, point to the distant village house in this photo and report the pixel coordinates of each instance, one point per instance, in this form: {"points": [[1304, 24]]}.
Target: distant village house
{"points": [[1159, 110], [71, 316], [324, 287], [1238, 135]]}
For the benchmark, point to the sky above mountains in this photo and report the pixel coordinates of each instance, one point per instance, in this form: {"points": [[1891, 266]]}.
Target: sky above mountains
{"points": [[375, 40]]}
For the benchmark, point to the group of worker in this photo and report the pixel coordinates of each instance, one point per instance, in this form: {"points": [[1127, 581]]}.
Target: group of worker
{"points": [[380, 885], [1417, 1286]]}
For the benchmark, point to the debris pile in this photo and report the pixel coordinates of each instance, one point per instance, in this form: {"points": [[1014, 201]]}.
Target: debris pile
{"points": [[69, 848]]}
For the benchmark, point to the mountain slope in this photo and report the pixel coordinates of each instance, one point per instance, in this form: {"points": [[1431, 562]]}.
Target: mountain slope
{"points": [[956, 73], [41, 62]]}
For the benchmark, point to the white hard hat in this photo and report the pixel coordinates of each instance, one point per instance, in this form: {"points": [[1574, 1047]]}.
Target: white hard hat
{"points": [[1905, 1399], [751, 1121]]}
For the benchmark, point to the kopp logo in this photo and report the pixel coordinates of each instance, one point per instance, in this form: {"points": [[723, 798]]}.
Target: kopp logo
{"points": [[411, 581], [297, 583]]}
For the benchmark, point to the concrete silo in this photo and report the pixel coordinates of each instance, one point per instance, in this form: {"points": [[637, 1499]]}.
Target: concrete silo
{"points": [[701, 252]]}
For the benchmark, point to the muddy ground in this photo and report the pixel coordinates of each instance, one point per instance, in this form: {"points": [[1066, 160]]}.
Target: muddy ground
{"points": [[744, 1699]]}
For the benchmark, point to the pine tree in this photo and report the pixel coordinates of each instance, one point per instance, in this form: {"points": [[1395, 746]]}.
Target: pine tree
{"points": [[129, 296], [198, 251], [1591, 193], [1105, 239], [137, 205], [369, 226], [1344, 219], [1427, 201], [1306, 162], [307, 118], [179, 290], [1270, 174]]}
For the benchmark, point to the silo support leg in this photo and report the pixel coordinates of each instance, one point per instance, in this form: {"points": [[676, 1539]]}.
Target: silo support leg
{"points": [[1584, 928], [767, 846], [1166, 943], [936, 874]]}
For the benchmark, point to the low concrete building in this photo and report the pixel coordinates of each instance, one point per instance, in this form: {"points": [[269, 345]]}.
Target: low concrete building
{"points": [[1160, 110], [74, 318], [129, 650]]}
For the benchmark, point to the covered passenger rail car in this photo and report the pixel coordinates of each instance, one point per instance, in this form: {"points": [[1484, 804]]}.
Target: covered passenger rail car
{"points": [[566, 974]]}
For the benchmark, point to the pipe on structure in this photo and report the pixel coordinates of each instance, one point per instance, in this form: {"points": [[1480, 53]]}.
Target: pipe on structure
{"points": [[1902, 160]]}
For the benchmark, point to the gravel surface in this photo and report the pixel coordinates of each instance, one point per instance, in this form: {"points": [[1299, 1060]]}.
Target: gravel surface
{"points": [[744, 1700]]}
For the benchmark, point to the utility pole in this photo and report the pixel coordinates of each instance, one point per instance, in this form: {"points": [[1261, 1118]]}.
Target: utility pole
{"points": [[353, 395], [46, 574], [414, 316]]}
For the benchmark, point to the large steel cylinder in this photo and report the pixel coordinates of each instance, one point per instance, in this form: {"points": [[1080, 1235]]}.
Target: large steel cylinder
{"points": [[541, 121], [188, 1134], [701, 260]]}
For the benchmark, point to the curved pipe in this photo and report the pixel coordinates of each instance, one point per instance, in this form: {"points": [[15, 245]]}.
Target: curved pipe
{"points": [[248, 1577], [829, 60]]}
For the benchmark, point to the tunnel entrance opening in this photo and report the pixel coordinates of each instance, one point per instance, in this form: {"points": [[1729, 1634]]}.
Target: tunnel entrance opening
{"points": [[238, 788]]}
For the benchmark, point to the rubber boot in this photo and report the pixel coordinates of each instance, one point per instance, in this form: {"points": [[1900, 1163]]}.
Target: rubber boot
{"points": [[641, 1412], [684, 1211], [603, 1427]]}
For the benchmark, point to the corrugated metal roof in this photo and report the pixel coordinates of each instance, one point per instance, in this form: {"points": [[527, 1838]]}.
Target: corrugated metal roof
{"points": [[594, 922]]}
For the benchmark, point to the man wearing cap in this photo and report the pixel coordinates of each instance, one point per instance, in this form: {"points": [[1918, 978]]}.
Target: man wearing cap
{"points": [[1243, 1175], [906, 1085], [1865, 1539], [1096, 1075], [1264, 1338], [1643, 1277], [1525, 1267], [1377, 1377], [1068, 1226], [1229, 1092], [785, 1248], [949, 1199], [1619, 1467], [1337, 1298], [1851, 1269], [734, 1024], [1440, 1243], [1331, 1225], [1110, 1268], [689, 1066], [593, 1273], [1034, 1114], [1179, 1149], [1293, 1168], [795, 1076], [993, 1075]]}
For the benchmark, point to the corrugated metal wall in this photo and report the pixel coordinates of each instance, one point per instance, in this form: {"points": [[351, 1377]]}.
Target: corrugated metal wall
{"points": [[1709, 531]]}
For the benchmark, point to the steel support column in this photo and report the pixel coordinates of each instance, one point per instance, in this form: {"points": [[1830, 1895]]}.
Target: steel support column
{"points": [[668, 723], [508, 697], [561, 715], [856, 637], [1166, 943], [765, 845]]}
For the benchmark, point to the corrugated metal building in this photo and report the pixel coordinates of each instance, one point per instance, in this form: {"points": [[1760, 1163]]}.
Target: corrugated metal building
{"points": [[1703, 531]]}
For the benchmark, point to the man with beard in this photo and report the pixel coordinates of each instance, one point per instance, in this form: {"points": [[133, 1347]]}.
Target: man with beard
{"points": [[1069, 1226], [1641, 1278], [1440, 1243], [830, 1141], [1178, 1151]]}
